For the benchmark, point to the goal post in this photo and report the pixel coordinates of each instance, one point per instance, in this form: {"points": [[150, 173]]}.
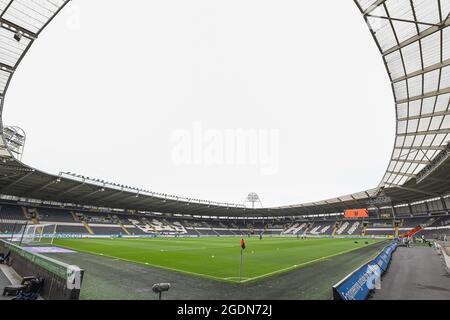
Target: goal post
{"points": [[37, 234]]}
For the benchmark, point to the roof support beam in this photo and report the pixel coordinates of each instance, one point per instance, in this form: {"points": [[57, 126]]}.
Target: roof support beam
{"points": [[7, 68], [71, 189], [439, 131], [129, 199], [111, 195], [357, 201], [402, 174], [433, 67], [426, 115], [424, 96], [373, 7], [403, 20], [7, 177], [140, 199], [5, 188], [438, 179], [26, 33], [439, 148], [91, 193], [420, 36], [411, 161], [419, 191], [30, 192]]}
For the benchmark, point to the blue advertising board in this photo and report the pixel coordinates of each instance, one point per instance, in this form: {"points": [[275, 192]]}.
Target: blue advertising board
{"points": [[383, 259], [358, 284]]}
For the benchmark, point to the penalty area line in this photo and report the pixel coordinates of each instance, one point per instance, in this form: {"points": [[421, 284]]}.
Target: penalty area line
{"points": [[301, 264], [200, 275], [231, 278]]}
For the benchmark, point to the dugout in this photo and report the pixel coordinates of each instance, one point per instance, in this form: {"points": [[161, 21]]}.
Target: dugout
{"points": [[62, 281]]}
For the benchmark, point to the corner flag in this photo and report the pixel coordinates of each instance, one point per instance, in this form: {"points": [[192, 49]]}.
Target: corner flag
{"points": [[242, 244]]}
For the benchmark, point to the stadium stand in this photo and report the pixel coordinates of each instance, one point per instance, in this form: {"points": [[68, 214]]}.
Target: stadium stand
{"points": [[413, 38], [417, 179], [50, 214], [106, 230], [12, 212], [108, 223], [70, 229]]}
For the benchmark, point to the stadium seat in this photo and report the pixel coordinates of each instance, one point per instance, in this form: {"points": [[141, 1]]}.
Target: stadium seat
{"points": [[12, 290], [29, 289], [4, 258]]}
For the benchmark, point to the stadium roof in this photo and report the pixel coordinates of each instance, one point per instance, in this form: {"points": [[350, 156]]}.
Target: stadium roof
{"points": [[414, 41], [413, 37]]}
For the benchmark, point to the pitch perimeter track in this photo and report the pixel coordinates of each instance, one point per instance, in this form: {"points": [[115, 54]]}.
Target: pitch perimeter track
{"points": [[113, 279]]}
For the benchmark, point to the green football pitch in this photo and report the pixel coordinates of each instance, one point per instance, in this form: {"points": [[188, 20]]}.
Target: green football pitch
{"points": [[219, 258]]}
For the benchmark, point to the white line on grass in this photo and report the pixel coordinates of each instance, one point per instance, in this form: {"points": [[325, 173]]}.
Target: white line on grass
{"points": [[152, 265], [299, 265], [228, 279]]}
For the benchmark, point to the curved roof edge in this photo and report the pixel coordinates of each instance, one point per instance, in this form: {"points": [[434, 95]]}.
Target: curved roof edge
{"points": [[414, 40]]}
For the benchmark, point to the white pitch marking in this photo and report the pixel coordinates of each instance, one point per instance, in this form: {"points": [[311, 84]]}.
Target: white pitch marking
{"points": [[300, 265], [230, 278]]}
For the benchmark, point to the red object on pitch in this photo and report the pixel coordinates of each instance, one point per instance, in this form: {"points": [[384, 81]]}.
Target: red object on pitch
{"points": [[411, 232], [242, 244]]}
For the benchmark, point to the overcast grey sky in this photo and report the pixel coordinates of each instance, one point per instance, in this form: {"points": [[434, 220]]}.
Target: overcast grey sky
{"points": [[148, 93]]}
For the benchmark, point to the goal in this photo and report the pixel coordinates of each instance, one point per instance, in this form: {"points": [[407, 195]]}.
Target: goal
{"points": [[37, 234]]}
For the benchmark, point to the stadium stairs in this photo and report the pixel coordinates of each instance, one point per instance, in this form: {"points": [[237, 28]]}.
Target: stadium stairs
{"points": [[353, 228], [87, 227], [31, 214], [25, 213], [299, 228], [335, 228], [363, 229], [123, 228], [291, 228], [74, 216], [34, 216], [342, 228], [308, 227]]}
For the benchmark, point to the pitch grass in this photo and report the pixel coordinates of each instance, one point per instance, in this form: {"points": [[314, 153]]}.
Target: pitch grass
{"points": [[219, 258]]}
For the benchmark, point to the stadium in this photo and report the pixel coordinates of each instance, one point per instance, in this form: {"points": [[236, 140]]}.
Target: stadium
{"points": [[71, 237]]}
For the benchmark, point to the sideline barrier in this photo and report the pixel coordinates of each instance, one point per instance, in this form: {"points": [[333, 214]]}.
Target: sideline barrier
{"points": [[345, 236], [445, 256], [94, 236], [358, 284], [62, 281], [446, 259]]}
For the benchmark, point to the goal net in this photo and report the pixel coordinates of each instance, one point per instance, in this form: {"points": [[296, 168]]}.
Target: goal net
{"points": [[36, 234]]}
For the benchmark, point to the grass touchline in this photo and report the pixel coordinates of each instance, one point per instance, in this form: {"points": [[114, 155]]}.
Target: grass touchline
{"points": [[219, 258]]}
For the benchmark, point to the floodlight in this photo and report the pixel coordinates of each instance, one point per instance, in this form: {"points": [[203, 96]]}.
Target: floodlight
{"points": [[18, 36]]}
